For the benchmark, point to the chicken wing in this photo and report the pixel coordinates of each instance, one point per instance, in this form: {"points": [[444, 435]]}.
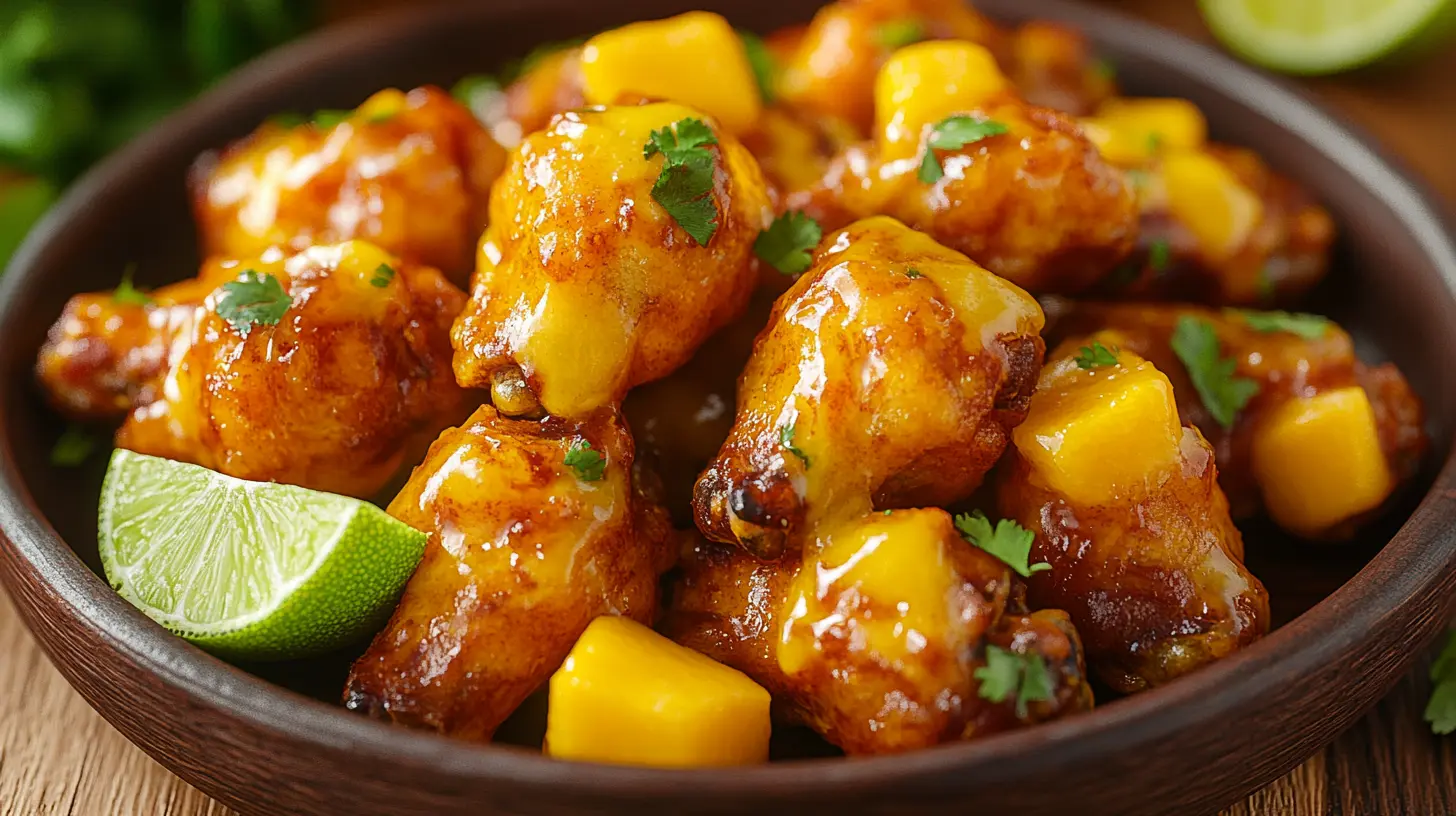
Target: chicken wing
{"points": [[880, 641], [1324, 439], [535, 529], [889, 375], [958, 155], [410, 172], [1217, 225], [587, 285], [349, 378], [1129, 517]]}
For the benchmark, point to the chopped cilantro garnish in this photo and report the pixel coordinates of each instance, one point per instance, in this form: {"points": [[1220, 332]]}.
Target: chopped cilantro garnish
{"points": [[1159, 254], [383, 274], [1223, 394], [1308, 326], [900, 33], [685, 186], [1007, 672], [1009, 541], [126, 293], [589, 465], [73, 447], [1094, 356], [761, 60], [253, 299], [379, 117], [1103, 67], [1155, 141], [912, 273], [287, 119], [952, 133], [788, 243], [786, 437], [329, 117]]}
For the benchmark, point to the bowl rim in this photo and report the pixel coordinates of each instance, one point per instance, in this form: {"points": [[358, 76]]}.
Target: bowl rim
{"points": [[1312, 640]]}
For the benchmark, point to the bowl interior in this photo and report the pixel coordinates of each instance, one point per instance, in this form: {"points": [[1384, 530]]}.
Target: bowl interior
{"points": [[1390, 295]]}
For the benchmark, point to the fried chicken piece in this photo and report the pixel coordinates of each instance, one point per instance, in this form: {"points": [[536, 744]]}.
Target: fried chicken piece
{"points": [[1053, 66], [586, 284], [890, 374], [959, 156], [525, 549], [1217, 225], [1129, 516], [352, 378], [1324, 441], [879, 641], [410, 172]]}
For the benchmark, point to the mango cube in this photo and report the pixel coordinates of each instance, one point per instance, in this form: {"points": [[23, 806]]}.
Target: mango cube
{"points": [[1133, 131], [627, 695], [1319, 462], [1096, 435], [922, 84], [695, 59], [1206, 197]]}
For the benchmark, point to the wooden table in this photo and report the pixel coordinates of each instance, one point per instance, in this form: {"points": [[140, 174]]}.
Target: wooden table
{"points": [[59, 757]]}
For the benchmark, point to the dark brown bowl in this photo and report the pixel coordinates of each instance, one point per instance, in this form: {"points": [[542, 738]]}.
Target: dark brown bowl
{"points": [[1355, 617]]}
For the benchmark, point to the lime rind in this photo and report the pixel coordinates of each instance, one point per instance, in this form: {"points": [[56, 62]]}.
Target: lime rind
{"points": [[1316, 37], [250, 570]]}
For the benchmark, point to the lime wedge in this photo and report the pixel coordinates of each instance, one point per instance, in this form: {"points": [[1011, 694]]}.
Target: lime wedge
{"points": [[250, 570], [1322, 36]]}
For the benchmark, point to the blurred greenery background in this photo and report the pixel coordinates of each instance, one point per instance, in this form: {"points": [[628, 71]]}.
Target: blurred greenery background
{"points": [[78, 78]]}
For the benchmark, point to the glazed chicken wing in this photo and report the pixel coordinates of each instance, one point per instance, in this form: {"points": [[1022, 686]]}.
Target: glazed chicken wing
{"points": [[879, 641], [410, 172], [587, 284], [1217, 225], [1130, 519], [350, 378], [1323, 440], [958, 155], [889, 374], [532, 535]]}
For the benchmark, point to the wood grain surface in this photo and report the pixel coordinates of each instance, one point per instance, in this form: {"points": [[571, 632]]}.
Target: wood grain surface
{"points": [[59, 757]]}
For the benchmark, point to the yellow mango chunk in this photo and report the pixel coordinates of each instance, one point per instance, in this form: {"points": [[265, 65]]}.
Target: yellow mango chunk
{"points": [[1131, 132], [1096, 435], [1318, 461], [695, 59], [629, 696], [1205, 196], [922, 84]]}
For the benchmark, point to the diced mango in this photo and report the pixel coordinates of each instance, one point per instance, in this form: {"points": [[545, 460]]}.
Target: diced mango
{"points": [[1096, 435], [695, 59], [1318, 461], [1131, 132], [630, 696], [924, 83], [1205, 196]]}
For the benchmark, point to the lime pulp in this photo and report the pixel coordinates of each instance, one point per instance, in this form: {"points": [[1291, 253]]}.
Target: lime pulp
{"points": [[1322, 37]]}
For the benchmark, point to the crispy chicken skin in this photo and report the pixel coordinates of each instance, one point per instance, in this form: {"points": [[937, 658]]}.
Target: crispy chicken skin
{"points": [[1290, 371], [1037, 205], [1129, 516], [585, 285], [410, 172], [889, 374], [352, 380], [875, 642], [522, 555]]}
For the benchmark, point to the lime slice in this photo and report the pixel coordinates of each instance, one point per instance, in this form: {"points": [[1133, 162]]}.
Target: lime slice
{"points": [[1321, 36], [250, 570]]}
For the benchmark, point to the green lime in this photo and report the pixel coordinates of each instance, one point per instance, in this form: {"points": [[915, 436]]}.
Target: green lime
{"points": [[250, 570], [1322, 37]]}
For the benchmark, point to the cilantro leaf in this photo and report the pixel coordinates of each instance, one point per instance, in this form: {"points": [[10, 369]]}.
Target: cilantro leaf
{"points": [[1308, 326], [1441, 710], [1104, 68], [1155, 141], [912, 273], [685, 186], [253, 299], [1159, 254], [1223, 394], [1007, 672], [953, 133], [900, 33], [1009, 541], [126, 293], [73, 447], [589, 465], [786, 437], [329, 117], [1095, 356], [382, 276], [761, 60], [788, 243]]}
